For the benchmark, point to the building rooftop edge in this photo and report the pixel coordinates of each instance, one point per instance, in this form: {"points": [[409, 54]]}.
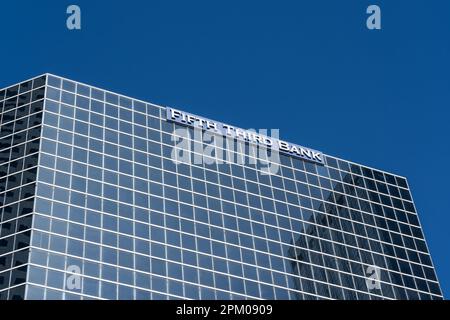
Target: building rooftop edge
{"points": [[163, 107]]}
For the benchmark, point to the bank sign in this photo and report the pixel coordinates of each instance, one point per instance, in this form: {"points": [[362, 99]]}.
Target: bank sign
{"points": [[226, 130]]}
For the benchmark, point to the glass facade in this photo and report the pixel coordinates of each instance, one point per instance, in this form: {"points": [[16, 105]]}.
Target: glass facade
{"points": [[113, 217], [20, 130]]}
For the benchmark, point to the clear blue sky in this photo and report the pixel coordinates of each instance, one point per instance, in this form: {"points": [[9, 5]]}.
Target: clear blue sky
{"points": [[309, 68]]}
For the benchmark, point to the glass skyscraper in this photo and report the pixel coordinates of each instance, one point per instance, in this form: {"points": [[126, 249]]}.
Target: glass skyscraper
{"points": [[92, 206]]}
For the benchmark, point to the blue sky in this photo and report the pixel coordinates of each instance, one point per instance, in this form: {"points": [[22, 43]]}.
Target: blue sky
{"points": [[310, 68]]}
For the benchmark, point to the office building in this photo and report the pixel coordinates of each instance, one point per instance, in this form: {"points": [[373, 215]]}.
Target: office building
{"points": [[93, 205]]}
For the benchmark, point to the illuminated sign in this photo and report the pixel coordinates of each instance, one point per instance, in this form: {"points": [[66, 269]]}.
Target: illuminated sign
{"points": [[226, 130]]}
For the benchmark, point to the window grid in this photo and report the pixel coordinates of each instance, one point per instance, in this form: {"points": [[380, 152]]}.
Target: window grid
{"points": [[110, 199]]}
